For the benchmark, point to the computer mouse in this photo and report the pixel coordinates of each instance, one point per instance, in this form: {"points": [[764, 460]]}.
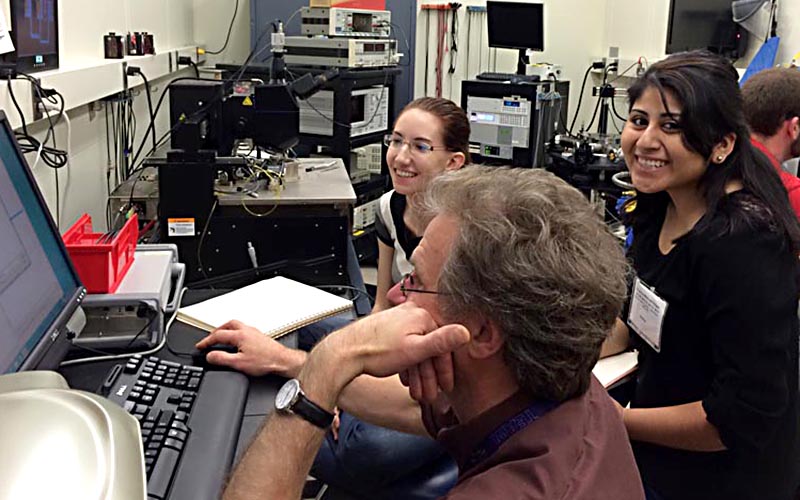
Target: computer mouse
{"points": [[199, 355]]}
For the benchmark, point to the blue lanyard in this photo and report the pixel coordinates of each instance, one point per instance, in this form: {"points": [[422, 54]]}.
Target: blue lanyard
{"points": [[493, 441]]}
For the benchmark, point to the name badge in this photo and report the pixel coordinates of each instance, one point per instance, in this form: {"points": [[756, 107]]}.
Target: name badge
{"points": [[646, 314]]}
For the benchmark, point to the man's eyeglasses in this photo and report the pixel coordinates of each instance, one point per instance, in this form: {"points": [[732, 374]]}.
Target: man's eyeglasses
{"points": [[407, 286], [415, 146]]}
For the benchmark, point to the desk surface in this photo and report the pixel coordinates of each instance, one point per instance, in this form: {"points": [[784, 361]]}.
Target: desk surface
{"points": [[330, 184]]}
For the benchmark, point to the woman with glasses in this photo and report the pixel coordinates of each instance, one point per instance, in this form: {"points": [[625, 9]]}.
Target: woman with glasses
{"points": [[430, 137]]}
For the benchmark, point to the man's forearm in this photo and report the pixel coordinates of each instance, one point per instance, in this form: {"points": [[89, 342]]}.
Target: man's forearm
{"points": [[277, 462], [384, 402]]}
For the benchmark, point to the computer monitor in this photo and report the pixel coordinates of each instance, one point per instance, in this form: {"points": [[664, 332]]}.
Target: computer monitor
{"points": [[704, 24], [516, 25], [34, 31], [39, 288]]}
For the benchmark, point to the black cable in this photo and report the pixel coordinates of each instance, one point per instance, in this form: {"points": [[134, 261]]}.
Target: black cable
{"points": [[51, 156], [143, 329], [202, 238], [16, 105], [108, 156], [594, 115], [580, 99], [228, 36], [196, 69], [150, 107], [91, 349], [614, 109]]}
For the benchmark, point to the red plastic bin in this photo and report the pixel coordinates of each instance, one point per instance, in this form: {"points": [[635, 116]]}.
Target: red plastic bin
{"points": [[101, 266]]}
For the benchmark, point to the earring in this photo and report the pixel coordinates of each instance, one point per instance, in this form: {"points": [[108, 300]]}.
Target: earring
{"points": [[720, 158]]}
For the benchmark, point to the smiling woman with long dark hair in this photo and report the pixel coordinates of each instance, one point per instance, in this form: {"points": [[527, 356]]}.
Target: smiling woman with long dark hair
{"points": [[713, 306]]}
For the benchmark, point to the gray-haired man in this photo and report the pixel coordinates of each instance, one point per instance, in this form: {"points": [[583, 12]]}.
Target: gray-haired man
{"points": [[516, 283]]}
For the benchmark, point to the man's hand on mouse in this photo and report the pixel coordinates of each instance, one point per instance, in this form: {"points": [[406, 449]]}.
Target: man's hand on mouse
{"points": [[258, 354]]}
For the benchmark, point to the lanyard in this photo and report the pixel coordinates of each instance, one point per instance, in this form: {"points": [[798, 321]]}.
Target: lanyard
{"points": [[503, 433]]}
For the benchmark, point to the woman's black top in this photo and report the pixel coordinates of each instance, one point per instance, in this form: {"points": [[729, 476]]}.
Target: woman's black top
{"points": [[729, 339]]}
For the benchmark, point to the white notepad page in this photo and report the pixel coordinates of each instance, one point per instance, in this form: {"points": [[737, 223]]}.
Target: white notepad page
{"points": [[275, 306]]}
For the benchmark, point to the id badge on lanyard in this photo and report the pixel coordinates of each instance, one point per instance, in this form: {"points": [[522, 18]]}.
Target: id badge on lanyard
{"points": [[646, 315]]}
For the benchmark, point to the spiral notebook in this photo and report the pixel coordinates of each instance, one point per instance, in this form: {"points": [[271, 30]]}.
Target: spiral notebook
{"points": [[275, 306]]}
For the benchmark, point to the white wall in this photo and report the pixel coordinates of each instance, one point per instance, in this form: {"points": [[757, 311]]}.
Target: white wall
{"points": [[211, 21], [638, 28]]}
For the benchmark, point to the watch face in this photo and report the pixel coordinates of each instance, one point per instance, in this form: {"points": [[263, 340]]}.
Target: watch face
{"points": [[287, 394]]}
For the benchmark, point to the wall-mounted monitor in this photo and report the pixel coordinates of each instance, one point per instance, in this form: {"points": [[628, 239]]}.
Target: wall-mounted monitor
{"points": [[704, 24], [34, 31]]}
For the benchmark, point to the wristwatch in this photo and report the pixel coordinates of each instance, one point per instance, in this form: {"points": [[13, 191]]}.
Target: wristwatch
{"points": [[291, 399]]}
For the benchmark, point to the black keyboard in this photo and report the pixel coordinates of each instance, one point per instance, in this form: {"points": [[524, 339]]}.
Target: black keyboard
{"points": [[190, 421], [506, 77]]}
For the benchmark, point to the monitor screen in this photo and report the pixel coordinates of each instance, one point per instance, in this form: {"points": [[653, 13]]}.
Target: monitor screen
{"points": [[39, 289], [514, 25], [34, 30], [702, 24]]}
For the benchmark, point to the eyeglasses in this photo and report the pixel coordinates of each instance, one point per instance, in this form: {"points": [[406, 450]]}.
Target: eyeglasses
{"points": [[407, 286], [415, 146]]}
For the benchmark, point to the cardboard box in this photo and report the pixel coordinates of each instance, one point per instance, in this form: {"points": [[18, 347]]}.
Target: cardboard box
{"points": [[351, 4]]}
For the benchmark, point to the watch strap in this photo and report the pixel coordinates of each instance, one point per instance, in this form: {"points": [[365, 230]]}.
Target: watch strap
{"points": [[312, 412]]}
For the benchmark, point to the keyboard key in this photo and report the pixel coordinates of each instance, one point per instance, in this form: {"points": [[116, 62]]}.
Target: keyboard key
{"points": [[178, 425], [174, 399], [181, 416], [129, 406], [173, 443], [158, 485], [171, 364], [166, 417], [176, 434]]}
